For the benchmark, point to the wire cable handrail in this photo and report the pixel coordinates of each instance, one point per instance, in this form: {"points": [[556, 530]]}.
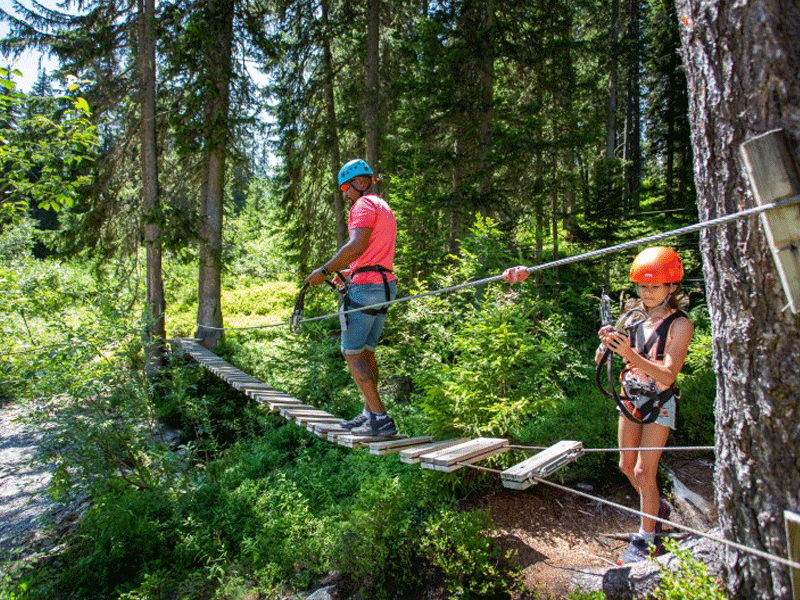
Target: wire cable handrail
{"points": [[747, 549], [544, 266], [741, 547]]}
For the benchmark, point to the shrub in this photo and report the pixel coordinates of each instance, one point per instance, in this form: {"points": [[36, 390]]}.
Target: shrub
{"points": [[458, 544], [690, 580]]}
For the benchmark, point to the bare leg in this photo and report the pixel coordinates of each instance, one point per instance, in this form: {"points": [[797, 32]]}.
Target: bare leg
{"points": [[629, 435], [646, 471], [364, 370]]}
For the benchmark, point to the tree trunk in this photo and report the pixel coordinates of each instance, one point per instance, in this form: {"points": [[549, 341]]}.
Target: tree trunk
{"points": [[156, 334], [340, 222], [209, 288], [372, 97], [611, 107], [743, 71], [633, 135]]}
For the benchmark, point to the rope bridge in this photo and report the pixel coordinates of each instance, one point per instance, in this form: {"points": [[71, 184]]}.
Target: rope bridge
{"points": [[440, 455]]}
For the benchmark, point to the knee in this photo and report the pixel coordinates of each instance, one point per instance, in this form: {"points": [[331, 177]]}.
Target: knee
{"points": [[644, 474], [626, 466]]}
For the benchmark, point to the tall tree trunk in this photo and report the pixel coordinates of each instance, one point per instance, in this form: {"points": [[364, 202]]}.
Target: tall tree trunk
{"points": [[743, 70], [372, 96], [611, 106], [633, 135], [156, 333], [332, 133], [219, 61], [473, 113]]}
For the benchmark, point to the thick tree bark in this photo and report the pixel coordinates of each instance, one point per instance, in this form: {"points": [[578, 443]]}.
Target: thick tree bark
{"points": [[156, 332], [743, 69], [209, 288]]}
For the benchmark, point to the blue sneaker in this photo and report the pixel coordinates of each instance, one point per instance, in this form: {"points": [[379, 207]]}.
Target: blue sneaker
{"points": [[638, 550]]}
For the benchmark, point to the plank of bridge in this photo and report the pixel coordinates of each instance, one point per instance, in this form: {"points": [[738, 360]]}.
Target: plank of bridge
{"points": [[290, 412], [448, 458], [334, 435], [388, 447], [310, 422], [278, 405], [276, 395], [354, 441], [410, 456], [321, 430], [520, 476], [461, 463]]}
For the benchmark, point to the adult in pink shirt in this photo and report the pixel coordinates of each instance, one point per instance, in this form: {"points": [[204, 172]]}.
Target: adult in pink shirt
{"points": [[367, 261]]}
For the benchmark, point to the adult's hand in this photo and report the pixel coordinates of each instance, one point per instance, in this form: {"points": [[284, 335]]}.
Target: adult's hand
{"points": [[316, 277]]}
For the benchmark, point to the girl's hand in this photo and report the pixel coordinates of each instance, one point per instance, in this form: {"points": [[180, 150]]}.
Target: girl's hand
{"points": [[618, 343], [516, 274]]}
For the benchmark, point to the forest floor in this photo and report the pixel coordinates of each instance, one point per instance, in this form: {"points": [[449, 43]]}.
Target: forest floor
{"points": [[557, 536]]}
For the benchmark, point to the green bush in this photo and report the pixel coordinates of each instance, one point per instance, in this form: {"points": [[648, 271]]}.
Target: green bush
{"points": [[458, 544], [690, 580]]}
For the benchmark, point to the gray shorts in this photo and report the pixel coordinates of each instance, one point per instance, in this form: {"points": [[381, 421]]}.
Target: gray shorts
{"points": [[669, 411]]}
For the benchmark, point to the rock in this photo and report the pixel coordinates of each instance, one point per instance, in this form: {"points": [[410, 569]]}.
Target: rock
{"points": [[639, 580]]}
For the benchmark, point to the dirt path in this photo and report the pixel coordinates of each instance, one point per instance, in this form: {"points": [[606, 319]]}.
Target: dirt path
{"points": [[22, 481], [557, 535]]}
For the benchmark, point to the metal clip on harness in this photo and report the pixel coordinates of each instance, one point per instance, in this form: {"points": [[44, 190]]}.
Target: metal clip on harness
{"points": [[296, 319], [607, 360]]}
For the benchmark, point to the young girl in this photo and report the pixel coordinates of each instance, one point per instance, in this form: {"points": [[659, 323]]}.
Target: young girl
{"points": [[654, 355]]}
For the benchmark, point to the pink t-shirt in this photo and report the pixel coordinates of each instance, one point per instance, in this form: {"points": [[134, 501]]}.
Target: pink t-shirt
{"points": [[372, 211]]}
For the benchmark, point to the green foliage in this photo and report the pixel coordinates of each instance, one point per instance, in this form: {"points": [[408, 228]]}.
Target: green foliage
{"points": [[459, 545], [42, 153], [691, 579]]}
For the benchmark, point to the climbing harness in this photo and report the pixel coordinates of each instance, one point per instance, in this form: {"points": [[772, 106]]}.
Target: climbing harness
{"points": [[346, 303], [349, 304], [296, 318], [639, 402]]}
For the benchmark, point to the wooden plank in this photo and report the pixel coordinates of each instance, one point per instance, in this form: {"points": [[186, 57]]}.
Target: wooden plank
{"points": [[306, 420], [380, 448], [292, 412], [276, 395], [354, 441], [463, 452], [792, 521], [278, 405], [324, 428], [455, 466], [410, 456], [541, 464], [774, 175]]}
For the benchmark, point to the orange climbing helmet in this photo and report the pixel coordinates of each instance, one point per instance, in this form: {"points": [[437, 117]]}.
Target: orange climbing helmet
{"points": [[657, 264]]}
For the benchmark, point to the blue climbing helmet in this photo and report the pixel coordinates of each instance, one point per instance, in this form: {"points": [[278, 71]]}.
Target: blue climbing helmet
{"points": [[353, 169]]}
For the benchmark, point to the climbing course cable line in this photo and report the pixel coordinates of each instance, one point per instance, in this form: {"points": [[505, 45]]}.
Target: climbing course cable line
{"points": [[566, 261], [545, 266], [747, 549], [283, 403]]}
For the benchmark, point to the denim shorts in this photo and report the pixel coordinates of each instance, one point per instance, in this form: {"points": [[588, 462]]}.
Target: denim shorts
{"points": [[362, 331]]}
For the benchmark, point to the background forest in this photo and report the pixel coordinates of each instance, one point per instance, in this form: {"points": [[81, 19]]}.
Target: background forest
{"points": [[195, 182]]}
